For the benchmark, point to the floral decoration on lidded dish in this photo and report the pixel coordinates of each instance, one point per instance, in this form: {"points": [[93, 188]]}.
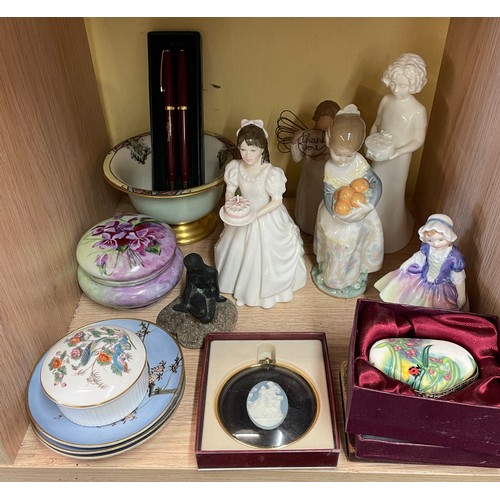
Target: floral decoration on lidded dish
{"points": [[93, 365], [126, 248], [433, 368]]}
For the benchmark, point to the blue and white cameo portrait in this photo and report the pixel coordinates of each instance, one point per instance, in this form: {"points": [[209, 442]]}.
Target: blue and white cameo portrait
{"points": [[267, 405]]}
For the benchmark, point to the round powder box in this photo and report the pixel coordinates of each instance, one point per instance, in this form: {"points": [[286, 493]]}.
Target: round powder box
{"points": [[96, 375], [128, 261]]}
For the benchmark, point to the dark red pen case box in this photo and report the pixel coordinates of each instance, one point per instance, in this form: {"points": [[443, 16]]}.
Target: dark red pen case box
{"points": [[190, 42]]}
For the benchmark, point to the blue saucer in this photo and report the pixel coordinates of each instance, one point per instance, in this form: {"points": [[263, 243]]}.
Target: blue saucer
{"points": [[167, 379], [115, 449]]}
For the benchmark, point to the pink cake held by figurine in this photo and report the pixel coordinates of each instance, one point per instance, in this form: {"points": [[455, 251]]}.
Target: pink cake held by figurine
{"points": [[237, 207], [237, 211]]}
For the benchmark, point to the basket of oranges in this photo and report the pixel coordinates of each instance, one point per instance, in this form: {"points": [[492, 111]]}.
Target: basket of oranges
{"points": [[351, 196]]}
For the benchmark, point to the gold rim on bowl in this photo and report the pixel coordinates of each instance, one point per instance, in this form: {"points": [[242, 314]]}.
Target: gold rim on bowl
{"points": [[117, 183]]}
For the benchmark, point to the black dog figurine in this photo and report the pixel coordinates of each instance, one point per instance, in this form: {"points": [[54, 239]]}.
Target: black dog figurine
{"points": [[202, 289]]}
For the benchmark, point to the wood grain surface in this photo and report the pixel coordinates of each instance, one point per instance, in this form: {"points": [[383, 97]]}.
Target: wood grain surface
{"points": [[459, 171], [53, 140]]}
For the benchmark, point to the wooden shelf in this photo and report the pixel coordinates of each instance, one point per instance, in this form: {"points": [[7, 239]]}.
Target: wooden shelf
{"points": [[169, 454]]}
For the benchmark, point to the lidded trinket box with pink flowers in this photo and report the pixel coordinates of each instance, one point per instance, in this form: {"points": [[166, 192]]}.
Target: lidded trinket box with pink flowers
{"points": [[128, 261]]}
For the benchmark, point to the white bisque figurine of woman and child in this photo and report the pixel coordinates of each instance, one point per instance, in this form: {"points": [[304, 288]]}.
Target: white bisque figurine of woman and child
{"points": [[309, 147], [433, 276], [259, 255], [398, 131], [348, 239]]}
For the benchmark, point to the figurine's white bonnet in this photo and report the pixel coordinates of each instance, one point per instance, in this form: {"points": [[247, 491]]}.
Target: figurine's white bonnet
{"points": [[441, 223], [258, 123], [349, 109]]}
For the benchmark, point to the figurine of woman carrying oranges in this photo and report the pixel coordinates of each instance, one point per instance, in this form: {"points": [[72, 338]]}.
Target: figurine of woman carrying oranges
{"points": [[348, 239]]}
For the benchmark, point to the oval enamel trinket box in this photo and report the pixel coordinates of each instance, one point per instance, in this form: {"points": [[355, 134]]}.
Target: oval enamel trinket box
{"points": [[433, 368], [128, 261], [96, 375]]}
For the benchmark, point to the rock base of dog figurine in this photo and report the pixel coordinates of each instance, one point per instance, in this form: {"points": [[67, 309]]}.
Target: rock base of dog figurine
{"points": [[191, 332]]}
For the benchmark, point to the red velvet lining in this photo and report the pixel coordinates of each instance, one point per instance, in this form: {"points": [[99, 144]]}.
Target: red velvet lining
{"points": [[475, 333]]}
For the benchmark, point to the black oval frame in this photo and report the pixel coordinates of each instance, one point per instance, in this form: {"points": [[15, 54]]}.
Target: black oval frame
{"points": [[231, 406]]}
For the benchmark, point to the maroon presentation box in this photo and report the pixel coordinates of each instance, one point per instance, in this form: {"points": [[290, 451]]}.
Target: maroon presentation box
{"points": [[238, 428], [369, 448], [377, 405]]}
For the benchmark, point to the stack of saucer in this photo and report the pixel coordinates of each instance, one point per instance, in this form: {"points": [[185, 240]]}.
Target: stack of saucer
{"points": [[95, 345]]}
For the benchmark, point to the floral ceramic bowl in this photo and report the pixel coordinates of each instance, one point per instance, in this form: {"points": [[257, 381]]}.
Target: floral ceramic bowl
{"points": [[96, 375], [190, 212], [128, 261]]}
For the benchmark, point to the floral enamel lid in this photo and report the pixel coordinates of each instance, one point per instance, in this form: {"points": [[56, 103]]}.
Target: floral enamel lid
{"points": [[93, 366], [126, 248]]}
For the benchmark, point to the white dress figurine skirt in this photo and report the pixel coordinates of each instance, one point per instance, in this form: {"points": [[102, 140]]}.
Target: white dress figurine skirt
{"points": [[261, 263]]}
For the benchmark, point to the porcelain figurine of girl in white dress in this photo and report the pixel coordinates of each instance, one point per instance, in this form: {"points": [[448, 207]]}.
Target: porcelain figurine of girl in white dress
{"points": [[348, 240], [433, 276], [401, 125], [260, 262]]}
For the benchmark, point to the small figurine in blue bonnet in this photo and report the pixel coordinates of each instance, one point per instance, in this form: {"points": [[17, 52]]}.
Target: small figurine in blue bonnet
{"points": [[432, 277]]}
